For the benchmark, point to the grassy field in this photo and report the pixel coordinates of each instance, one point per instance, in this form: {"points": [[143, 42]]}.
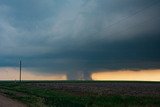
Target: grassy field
{"points": [[83, 93]]}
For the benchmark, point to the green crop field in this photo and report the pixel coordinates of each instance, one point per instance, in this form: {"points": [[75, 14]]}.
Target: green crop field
{"points": [[83, 93]]}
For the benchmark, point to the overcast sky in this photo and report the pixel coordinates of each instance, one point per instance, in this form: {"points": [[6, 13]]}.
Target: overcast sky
{"points": [[80, 35]]}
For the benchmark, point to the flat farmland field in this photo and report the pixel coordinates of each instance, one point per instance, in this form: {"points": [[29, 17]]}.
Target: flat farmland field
{"points": [[84, 93]]}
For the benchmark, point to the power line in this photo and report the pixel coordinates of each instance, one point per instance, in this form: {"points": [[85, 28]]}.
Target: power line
{"points": [[20, 75], [129, 28], [134, 14]]}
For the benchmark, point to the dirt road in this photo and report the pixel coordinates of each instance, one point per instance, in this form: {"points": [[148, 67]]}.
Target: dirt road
{"points": [[7, 102]]}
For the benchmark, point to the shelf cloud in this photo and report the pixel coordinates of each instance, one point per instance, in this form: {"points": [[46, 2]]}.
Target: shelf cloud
{"points": [[80, 35]]}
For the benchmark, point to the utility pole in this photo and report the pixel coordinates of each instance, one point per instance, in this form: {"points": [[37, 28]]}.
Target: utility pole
{"points": [[20, 65]]}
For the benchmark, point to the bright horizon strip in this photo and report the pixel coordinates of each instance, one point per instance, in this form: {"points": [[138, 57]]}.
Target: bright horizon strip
{"points": [[127, 75], [8, 73]]}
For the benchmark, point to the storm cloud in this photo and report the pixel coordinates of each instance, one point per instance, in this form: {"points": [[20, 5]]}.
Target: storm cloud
{"points": [[80, 35]]}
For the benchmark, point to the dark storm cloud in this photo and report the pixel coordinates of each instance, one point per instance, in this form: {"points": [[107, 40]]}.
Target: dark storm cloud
{"points": [[80, 35]]}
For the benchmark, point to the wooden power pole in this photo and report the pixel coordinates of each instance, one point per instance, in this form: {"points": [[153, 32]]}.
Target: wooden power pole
{"points": [[20, 69]]}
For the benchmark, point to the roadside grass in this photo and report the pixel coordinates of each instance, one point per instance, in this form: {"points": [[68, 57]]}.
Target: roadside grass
{"points": [[38, 97]]}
